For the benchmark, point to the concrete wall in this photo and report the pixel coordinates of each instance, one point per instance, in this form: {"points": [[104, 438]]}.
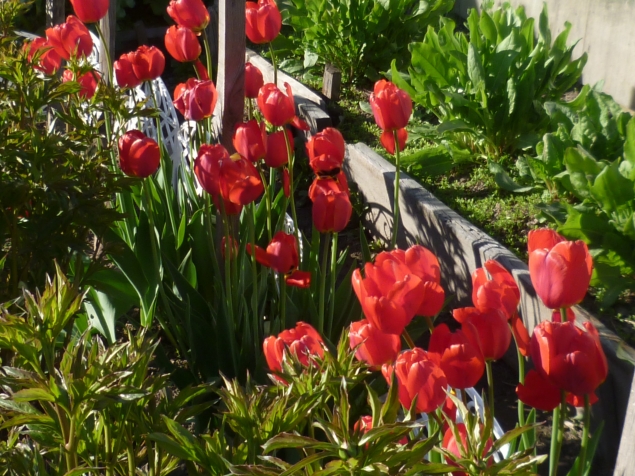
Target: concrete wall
{"points": [[606, 32]]}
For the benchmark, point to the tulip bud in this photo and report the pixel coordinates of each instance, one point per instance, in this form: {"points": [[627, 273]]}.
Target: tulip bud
{"points": [[189, 14], [263, 21], [139, 155], [70, 39], [278, 108], [87, 81], [326, 151], [195, 99], [303, 342], [391, 106], [253, 80], [49, 60], [373, 346], [182, 44], [90, 11]]}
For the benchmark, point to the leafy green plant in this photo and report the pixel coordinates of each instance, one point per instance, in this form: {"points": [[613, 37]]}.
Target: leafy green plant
{"points": [[487, 87], [361, 37]]}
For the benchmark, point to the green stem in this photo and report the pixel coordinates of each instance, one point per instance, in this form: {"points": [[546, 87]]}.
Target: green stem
{"points": [[268, 188], [408, 339], [283, 301], [107, 51], [254, 271], [585, 435], [250, 109], [208, 56], [273, 63], [557, 433], [395, 225], [329, 323], [107, 444], [563, 314], [151, 461], [322, 298], [490, 385], [71, 446], [296, 228], [527, 443]]}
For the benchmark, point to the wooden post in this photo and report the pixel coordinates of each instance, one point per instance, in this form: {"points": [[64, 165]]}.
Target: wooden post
{"points": [[212, 32], [626, 457], [332, 82], [108, 26], [231, 68], [54, 12]]}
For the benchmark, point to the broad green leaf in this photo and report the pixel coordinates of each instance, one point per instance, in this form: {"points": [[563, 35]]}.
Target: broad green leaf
{"points": [[488, 28], [31, 394], [289, 440], [475, 67], [504, 181], [611, 189], [543, 25], [627, 168]]}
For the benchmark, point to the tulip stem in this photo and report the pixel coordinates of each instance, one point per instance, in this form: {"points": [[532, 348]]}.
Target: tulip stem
{"points": [[104, 43], [490, 385], [521, 406], [563, 314], [329, 324], [291, 156], [395, 215], [208, 55], [273, 63], [254, 270], [268, 188], [321, 304], [585, 435], [283, 301], [557, 431], [408, 339]]}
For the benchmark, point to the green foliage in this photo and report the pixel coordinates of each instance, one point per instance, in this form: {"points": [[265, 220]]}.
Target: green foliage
{"points": [[359, 37], [54, 182], [487, 87]]}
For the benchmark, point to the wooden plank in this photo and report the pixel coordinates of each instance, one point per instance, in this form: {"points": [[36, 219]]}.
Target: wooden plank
{"points": [[54, 12], [332, 82], [231, 67], [625, 465], [212, 31], [108, 26]]}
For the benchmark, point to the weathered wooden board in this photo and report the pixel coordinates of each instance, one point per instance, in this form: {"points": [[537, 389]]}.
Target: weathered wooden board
{"points": [[108, 26], [625, 465], [331, 82], [55, 12]]}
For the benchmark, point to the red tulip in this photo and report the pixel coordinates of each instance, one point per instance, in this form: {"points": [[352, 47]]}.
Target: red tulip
{"points": [[90, 11], [538, 392], [462, 362], [365, 424], [543, 238], [418, 376], [201, 70], [87, 82], [278, 108], [182, 44], [49, 61], [568, 357], [425, 265], [239, 181], [332, 207], [303, 342], [277, 153], [501, 292], [189, 14], [281, 255], [195, 99], [148, 63], [263, 21], [250, 140], [399, 286], [326, 151], [286, 182], [373, 346], [207, 167], [560, 274], [488, 329], [70, 39], [139, 155], [387, 139], [391, 106], [460, 450], [253, 80], [126, 78]]}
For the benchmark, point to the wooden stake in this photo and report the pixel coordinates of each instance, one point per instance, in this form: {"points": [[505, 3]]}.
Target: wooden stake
{"points": [[108, 26], [332, 82], [54, 12]]}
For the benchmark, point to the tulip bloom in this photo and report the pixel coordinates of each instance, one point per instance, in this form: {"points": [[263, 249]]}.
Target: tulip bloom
{"points": [[391, 106], [460, 359], [538, 392], [250, 140], [560, 272], [239, 181], [570, 358], [207, 167], [148, 63], [488, 329], [90, 11], [49, 60], [195, 99], [521, 336], [400, 285], [263, 21], [501, 292], [182, 44], [326, 151], [277, 153], [286, 182], [278, 108], [303, 342], [281, 255], [253, 80], [387, 139], [418, 376], [139, 155], [373, 346], [332, 207], [189, 14], [87, 82], [70, 39]]}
